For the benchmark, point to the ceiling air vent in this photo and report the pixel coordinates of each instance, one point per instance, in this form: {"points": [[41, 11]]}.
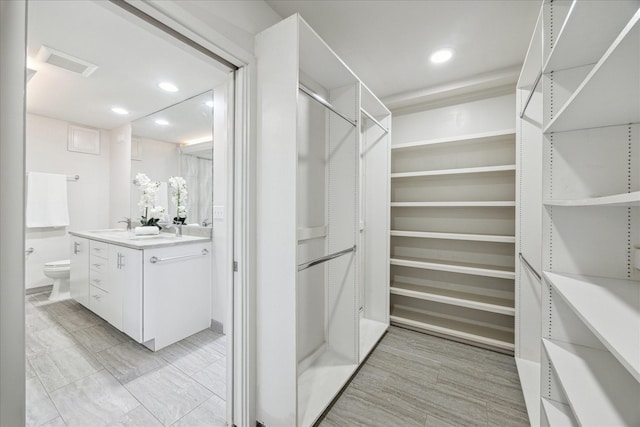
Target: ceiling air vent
{"points": [[66, 61]]}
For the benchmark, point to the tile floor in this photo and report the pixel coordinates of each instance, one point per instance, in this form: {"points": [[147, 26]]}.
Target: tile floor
{"points": [[414, 379], [80, 371]]}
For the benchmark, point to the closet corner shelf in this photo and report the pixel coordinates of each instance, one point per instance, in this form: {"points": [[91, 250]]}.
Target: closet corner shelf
{"points": [[318, 385], [454, 236], [463, 330], [453, 267], [529, 373], [558, 414], [609, 94], [453, 204], [459, 171], [614, 326], [370, 333], [461, 299], [475, 138], [588, 375], [582, 18], [625, 199]]}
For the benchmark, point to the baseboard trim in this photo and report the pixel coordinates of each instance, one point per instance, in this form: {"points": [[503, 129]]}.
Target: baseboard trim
{"points": [[38, 289], [217, 326]]}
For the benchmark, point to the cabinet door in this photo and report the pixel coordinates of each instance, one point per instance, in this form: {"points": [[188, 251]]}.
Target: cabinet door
{"points": [[177, 293], [125, 287], [79, 280]]}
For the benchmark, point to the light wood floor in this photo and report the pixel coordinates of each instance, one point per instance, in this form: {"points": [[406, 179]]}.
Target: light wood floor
{"points": [[414, 379]]}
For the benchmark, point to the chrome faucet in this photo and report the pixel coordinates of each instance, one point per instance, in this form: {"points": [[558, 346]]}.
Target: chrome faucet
{"points": [[177, 227], [206, 222], [126, 221]]}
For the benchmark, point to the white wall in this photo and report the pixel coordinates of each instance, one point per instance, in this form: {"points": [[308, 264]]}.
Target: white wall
{"points": [[46, 151], [119, 174], [454, 120], [158, 160], [222, 196]]}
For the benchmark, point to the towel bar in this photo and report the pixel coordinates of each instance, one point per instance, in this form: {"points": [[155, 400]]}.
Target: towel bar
{"points": [[155, 259]]}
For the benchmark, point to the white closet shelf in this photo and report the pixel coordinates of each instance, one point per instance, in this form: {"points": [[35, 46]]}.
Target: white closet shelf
{"points": [[472, 138], [319, 384], [456, 267], [588, 375], [617, 326], [455, 328], [558, 414], [609, 94], [625, 199], [461, 299], [459, 171], [455, 236], [577, 30], [529, 373], [370, 333], [453, 204]]}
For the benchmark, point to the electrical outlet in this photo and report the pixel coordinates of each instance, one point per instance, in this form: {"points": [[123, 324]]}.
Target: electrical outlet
{"points": [[218, 212]]}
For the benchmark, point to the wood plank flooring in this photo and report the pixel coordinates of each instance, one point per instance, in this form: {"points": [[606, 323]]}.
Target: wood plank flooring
{"points": [[414, 379]]}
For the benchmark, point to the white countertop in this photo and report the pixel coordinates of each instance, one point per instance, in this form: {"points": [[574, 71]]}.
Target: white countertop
{"points": [[130, 240]]}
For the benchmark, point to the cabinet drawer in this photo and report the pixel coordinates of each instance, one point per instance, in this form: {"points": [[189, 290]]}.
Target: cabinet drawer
{"points": [[100, 303], [99, 249], [99, 280], [97, 264]]}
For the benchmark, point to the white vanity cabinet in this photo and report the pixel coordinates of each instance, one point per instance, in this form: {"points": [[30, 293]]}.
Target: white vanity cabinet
{"points": [[79, 279], [115, 277], [177, 293], [157, 290]]}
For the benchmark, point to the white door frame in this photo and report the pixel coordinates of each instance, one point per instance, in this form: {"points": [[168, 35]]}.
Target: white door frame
{"points": [[13, 48], [12, 184]]}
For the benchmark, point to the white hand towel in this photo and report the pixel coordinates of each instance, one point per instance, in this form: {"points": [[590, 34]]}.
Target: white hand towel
{"points": [[47, 204], [148, 230]]}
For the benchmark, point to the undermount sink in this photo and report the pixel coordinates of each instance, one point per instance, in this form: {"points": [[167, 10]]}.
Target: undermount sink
{"points": [[165, 236]]}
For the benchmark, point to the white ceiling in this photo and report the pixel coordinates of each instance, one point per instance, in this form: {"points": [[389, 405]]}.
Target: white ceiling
{"points": [[132, 58], [387, 43]]}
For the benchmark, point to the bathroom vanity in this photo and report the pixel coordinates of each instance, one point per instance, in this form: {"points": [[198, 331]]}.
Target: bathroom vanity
{"points": [[155, 289]]}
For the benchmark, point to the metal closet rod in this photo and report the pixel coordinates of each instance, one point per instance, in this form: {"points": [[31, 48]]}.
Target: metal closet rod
{"points": [[325, 258], [533, 89], [324, 102], [373, 119], [530, 267]]}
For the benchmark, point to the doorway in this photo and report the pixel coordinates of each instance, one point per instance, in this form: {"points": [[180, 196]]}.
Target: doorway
{"points": [[59, 98]]}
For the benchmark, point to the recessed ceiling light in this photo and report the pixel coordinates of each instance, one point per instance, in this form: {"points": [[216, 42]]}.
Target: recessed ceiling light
{"points": [[440, 56], [119, 110], [162, 122], [209, 104], [169, 87]]}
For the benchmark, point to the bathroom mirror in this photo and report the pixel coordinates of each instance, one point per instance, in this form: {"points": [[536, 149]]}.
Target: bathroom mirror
{"points": [[176, 141]]}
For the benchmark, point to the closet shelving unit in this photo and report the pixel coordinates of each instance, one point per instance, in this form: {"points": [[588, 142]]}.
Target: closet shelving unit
{"points": [[322, 233], [375, 166], [452, 236], [590, 305]]}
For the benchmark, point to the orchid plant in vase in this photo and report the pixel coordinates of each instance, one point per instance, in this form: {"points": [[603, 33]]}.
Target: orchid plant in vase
{"points": [[179, 196], [149, 213]]}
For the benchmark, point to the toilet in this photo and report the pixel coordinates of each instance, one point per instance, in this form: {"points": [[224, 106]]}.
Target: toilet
{"points": [[59, 271]]}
